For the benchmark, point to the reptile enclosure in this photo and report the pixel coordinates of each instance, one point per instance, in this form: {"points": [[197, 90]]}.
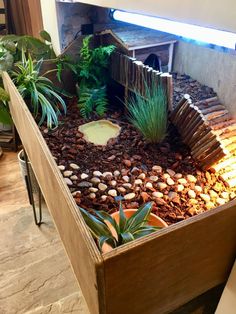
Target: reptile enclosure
{"points": [[154, 274]]}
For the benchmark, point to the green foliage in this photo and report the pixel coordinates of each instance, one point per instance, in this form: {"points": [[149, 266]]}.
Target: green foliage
{"points": [[149, 113], [5, 116], [91, 100], [92, 76], [37, 48], [45, 102], [127, 230]]}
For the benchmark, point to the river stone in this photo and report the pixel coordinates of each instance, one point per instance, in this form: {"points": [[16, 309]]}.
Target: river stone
{"points": [[97, 173], [84, 176], [94, 190], [104, 197], [127, 185], [191, 178], [180, 187], [125, 178], [67, 173], [95, 180], [142, 176], [68, 181], [213, 194], [182, 181], [170, 181], [178, 176], [92, 196], [198, 188], [121, 189], [113, 183], [166, 176], [205, 197], [161, 185], [129, 196], [61, 167], [116, 173], [74, 178], [112, 193], [138, 181], [225, 195], [191, 194], [106, 174], [153, 178], [157, 169], [172, 195], [220, 201], [170, 172], [149, 185], [157, 194], [84, 184], [102, 186], [74, 166]]}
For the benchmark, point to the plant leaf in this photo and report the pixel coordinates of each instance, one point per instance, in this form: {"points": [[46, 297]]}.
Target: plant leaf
{"points": [[46, 36], [140, 217], [126, 237]]}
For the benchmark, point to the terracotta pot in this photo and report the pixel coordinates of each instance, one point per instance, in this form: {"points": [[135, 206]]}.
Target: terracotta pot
{"points": [[153, 220]]}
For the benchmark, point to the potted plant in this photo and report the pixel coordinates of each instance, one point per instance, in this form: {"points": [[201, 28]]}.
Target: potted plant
{"points": [[92, 78], [122, 226]]}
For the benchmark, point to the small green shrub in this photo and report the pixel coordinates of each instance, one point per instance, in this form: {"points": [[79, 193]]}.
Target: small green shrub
{"points": [[5, 116], [127, 230], [148, 114], [45, 103], [92, 76]]}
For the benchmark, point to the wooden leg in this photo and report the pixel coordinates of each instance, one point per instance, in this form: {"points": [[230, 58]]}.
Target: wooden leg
{"points": [[171, 52]]}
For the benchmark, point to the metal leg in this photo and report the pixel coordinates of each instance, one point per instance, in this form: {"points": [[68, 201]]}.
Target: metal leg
{"points": [[37, 220]]}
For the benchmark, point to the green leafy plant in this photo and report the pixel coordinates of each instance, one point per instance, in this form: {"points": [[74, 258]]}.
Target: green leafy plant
{"points": [[148, 113], [45, 103], [126, 230], [93, 75], [5, 116]]}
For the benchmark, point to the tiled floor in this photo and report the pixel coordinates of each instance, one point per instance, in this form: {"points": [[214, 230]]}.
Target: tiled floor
{"points": [[35, 274]]}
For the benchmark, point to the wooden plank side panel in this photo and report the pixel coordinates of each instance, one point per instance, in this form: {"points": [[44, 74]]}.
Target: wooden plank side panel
{"points": [[83, 254], [161, 272]]}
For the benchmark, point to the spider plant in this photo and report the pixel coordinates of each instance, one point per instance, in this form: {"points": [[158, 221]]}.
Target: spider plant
{"points": [[5, 116], [128, 229], [148, 113], [45, 103]]}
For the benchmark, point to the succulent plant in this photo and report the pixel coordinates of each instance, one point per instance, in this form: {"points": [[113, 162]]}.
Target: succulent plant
{"points": [[128, 229]]}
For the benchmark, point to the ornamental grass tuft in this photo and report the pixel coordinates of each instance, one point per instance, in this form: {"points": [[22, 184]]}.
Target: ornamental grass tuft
{"points": [[148, 113]]}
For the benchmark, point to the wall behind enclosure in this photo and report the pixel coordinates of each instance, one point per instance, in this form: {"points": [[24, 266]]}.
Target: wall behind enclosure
{"points": [[210, 67]]}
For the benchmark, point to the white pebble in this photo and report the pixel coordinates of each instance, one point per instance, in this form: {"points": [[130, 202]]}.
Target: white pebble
{"points": [[205, 197], [138, 181], [68, 181], [166, 176], [178, 176], [157, 194], [125, 178], [191, 178], [92, 196], [157, 169], [74, 178], [213, 194], [94, 190], [198, 188], [121, 189], [127, 185], [74, 166], [191, 194], [161, 185], [220, 201], [149, 185], [182, 181], [154, 178], [112, 193], [137, 188], [170, 172], [113, 183], [76, 192], [104, 197], [116, 173], [61, 167], [95, 180], [172, 195], [102, 186], [129, 196], [67, 173], [106, 174], [180, 187], [170, 181], [225, 195], [97, 173], [84, 176], [142, 176]]}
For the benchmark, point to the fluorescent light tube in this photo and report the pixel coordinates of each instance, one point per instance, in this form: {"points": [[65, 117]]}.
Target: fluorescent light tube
{"points": [[199, 33]]}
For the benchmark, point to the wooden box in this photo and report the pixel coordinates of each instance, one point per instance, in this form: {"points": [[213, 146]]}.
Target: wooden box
{"points": [[154, 274]]}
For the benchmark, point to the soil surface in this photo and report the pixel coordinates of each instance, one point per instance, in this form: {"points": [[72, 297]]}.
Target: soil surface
{"points": [[165, 174]]}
